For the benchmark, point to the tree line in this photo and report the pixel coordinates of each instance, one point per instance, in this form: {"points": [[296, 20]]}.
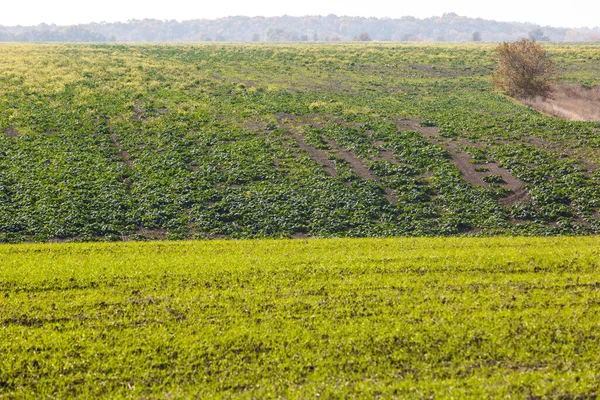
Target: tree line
{"points": [[449, 27]]}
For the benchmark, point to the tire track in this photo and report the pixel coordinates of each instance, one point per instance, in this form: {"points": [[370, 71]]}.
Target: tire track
{"points": [[462, 161]]}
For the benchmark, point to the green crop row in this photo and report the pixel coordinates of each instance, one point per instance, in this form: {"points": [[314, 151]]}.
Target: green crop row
{"points": [[111, 142]]}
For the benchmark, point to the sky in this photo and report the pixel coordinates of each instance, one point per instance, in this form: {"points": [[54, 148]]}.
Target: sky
{"points": [[572, 13]]}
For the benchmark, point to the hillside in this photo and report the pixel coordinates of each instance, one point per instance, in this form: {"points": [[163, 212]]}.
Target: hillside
{"points": [[449, 27], [123, 142]]}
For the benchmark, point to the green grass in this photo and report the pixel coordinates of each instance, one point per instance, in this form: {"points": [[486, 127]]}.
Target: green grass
{"points": [[337, 318]]}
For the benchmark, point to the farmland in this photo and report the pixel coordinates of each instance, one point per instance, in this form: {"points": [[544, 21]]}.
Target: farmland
{"points": [[337, 318], [325, 144], [136, 142]]}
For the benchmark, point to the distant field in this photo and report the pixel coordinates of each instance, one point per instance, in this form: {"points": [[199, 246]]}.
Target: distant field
{"points": [[133, 142], [336, 318]]}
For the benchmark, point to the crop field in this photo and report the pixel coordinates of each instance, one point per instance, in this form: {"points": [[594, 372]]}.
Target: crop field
{"points": [[115, 142], [332, 318]]}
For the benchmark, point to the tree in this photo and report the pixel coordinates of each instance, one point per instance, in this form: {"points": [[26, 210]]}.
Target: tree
{"points": [[476, 36], [524, 69], [537, 35], [362, 37]]}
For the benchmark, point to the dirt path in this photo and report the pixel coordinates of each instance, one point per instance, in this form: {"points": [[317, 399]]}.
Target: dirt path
{"points": [[358, 166], [319, 156], [462, 161], [388, 156]]}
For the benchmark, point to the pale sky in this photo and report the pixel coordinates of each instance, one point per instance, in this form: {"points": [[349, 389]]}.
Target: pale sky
{"points": [[569, 13]]}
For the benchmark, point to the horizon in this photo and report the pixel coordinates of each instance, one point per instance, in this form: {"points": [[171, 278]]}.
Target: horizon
{"points": [[69, 12]]}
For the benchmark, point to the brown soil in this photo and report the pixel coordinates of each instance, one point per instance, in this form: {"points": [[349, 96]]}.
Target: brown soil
{"points": [[519, 196], [158, 234], [137, 110], [360, 168], [11, 132], [300, 235], [357, 165], [123, 155], [388, 156], [462, 161], [319, 156], [571, 102]]}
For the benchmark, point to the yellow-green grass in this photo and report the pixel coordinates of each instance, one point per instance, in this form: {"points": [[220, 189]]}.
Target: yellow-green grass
{"points": [[337, 318]]}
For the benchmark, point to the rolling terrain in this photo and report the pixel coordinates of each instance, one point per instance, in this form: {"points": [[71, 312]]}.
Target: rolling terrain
{"points": [[133, 142], [138, 142]]}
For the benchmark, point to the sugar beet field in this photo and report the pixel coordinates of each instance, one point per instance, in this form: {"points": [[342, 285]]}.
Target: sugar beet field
{"points": [[329, 318], [114, 142], [348, 149]]}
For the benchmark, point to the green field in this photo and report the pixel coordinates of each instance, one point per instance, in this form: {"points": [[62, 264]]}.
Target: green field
{"points": [[322, 143], [331, 318], [122, 142]]}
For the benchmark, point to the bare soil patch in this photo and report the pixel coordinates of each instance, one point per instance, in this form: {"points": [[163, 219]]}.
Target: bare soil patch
{"points": [[11, 132], [156, 234], [317, 155], [123, 155], [388, 156], [462, 161], [358, 166], [138, 112], [570, 102]]}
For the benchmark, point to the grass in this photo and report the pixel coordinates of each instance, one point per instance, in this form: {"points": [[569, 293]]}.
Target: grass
{"points": [[336, 318]]}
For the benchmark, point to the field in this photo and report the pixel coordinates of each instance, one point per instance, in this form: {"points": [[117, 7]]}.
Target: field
{"points": [[115, 142], [322, 143], [332, 318]]}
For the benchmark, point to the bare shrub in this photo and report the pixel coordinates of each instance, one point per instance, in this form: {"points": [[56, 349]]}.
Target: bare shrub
{"points": [[524, 69]]}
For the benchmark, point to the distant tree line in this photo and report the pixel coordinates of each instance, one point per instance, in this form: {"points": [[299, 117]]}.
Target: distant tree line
{"points": [[449, 27]]}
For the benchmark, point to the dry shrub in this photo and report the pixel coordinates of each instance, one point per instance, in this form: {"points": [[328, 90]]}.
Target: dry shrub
{"points": [[524, 69]]}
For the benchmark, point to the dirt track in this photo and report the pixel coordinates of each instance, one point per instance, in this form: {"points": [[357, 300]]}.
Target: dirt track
{"points": [[358, 166], [462, 161]]}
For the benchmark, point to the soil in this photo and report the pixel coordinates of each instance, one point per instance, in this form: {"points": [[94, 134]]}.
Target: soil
{"points": [[462, 161], [138, 112], [11, 132], [360, 168], [159, 234], [123, 155], [319, 156], [388, 156]]}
